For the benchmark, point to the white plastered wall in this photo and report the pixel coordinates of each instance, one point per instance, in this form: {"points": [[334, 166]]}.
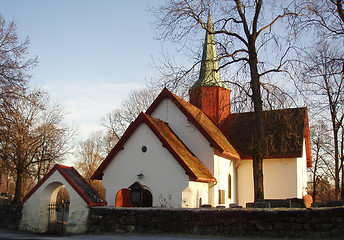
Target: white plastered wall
{"points": [[281, 177], [193, 193], [302, 173], [35, 212], [222, 169], [163, 175], [168, 112]]}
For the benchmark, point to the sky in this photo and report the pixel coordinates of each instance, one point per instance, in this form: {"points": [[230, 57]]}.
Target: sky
{"points": [[91, 52]]}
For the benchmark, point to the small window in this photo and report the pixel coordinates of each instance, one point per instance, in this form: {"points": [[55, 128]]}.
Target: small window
{"points": [[144, 149], [222, 196], [229, 186]]}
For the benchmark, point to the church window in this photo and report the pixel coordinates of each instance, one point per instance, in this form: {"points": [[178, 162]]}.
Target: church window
{"points": [[144, 149], [229, 186], [222, 196]]}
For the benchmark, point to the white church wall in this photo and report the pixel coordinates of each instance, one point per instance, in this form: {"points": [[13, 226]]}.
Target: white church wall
{"points": [[302, 173], [168, 112], [280, 179], [163, 175], [35, 212], [222, 169], [244, 182], [195, 195]]}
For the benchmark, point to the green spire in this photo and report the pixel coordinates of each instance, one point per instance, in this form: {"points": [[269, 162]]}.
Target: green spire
{"points": [[209, 74]]}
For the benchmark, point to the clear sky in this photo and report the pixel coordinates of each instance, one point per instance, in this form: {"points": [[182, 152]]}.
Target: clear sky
{"points": [[91, 52]]}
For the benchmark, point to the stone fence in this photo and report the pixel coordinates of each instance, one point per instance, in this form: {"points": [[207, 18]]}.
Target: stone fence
{"points": [[293, 223], [10, 215], [272, 222]]}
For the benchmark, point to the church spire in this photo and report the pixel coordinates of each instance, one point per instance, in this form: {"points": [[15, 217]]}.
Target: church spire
{"points": [[210, 93], [209, 72]]}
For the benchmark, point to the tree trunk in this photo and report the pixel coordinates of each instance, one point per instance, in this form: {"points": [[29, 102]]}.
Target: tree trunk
{"points": [[18, 189], [315, 185], [340, 9], [342, 164], [258, 148], [336, 164], [342, 186], [39, 171], [336, 152]]}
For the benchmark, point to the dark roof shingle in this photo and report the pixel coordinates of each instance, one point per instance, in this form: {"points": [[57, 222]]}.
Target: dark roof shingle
{"points": [[284, 132]]}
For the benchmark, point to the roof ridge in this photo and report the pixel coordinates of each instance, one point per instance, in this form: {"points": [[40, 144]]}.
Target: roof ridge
{"points": [[273, 110]]}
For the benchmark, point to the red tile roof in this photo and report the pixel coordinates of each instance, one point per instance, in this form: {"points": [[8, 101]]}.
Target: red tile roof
{"points": [[202, 122], [187, 160], [78, 183]]}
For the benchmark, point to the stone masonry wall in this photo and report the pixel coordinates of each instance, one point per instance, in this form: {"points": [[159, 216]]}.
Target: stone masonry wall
{"points": [[293, 223], [10, 215]]}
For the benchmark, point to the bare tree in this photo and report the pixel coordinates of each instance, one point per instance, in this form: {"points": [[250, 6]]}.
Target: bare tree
{"points": [[323, 80], [325, 61], [14, 65], [119, 119], [249, 37], [32, 132], [328, 17], [340, 9], [341, 154], [90, 154], [322, 152]]}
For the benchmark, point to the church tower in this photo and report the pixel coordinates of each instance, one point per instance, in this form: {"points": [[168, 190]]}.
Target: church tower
{"points": [[210, 93]]}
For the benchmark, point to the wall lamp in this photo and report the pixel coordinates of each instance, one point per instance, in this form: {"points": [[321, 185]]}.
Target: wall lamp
{"points": [[140, 175]]}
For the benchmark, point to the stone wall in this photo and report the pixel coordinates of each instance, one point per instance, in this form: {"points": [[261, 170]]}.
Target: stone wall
{"points": [[10, 215], [312, 223]]}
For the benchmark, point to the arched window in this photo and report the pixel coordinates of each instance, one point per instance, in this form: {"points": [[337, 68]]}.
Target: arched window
{"points": [[229, 186]]}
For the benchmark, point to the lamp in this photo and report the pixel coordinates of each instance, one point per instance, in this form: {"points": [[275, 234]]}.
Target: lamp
{"points": [[140, 175]]}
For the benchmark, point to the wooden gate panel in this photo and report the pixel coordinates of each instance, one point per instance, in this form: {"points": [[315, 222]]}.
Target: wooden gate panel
{"points": [[123, 198]]}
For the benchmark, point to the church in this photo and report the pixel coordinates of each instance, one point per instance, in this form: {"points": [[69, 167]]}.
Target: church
{"points": [[190, 154]]}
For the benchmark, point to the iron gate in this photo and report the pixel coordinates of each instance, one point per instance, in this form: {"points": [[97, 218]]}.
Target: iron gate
{"points": [[58, 217]]}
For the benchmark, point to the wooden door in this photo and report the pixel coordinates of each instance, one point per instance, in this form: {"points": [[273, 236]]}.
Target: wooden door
{"points": [[123, 198]]}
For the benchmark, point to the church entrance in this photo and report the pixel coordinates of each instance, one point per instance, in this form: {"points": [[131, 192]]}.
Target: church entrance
{"points": [[59, 202], [58, 212], [136, 195], [123, 198], [54, 209], [147, 198]]}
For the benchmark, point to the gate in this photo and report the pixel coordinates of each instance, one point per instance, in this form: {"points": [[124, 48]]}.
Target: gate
{"points": [[58, 217]]}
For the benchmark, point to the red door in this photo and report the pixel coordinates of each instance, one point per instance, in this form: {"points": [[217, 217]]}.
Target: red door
{"points": [[123, 198]]}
